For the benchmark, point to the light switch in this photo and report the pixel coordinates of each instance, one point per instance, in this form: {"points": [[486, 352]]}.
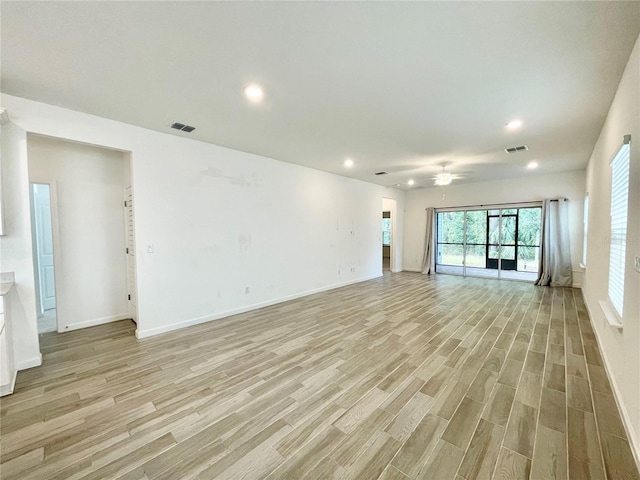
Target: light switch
{"points": [[637, 264], [150, 248]]}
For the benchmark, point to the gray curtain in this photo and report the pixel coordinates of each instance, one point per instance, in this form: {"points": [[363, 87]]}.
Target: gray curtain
{"points": [[427, 261], [555, 251]]}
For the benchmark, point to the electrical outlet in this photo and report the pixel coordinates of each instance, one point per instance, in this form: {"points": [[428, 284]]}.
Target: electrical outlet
{"points": [[353, 269], [246, 289], [150, 248], [637, 264]]}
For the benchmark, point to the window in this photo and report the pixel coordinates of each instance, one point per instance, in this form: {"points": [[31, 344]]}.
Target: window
{"points": [[497, 243], [619, 207], [386, 229], [585, 221]]}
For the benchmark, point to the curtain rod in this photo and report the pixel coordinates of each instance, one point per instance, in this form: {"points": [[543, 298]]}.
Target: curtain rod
{"points": [[500, 204], [496, 204]]}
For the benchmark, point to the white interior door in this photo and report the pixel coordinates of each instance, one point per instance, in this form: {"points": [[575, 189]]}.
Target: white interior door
{"points": [[44, 245], [131, 253]]}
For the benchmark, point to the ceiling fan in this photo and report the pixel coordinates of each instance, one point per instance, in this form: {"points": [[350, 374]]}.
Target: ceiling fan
{"points": [[445, 178]]}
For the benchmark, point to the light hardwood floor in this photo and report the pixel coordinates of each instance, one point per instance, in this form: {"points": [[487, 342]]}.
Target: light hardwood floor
{"points": [[406, 376]]}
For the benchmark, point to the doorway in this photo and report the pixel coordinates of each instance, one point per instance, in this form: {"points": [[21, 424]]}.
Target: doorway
{"points": [[501, 240], [43, 258], [388, 235], [386, 241], [89, 185]]}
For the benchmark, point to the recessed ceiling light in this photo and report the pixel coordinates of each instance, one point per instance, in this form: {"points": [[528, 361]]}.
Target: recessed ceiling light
{"points": [[348, 163], [410, 182], [254, 92], [513, 124], [532, 165]]}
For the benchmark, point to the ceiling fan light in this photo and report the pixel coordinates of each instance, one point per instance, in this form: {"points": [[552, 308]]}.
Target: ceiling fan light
{"points": [[443, 179]]}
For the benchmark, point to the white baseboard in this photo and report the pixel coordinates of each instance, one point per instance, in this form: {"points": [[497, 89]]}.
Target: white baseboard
{"points": [[30, 363], [8, 388], [624, 413], [94, 322], [140, 334]]}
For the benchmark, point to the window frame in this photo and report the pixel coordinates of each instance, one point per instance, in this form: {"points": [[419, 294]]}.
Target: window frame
{"points": [[464, 244], [619, 218]]}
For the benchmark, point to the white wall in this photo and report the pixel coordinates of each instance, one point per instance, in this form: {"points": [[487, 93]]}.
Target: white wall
{"points": [[90, 267], [621, 349], [223, 221], [525, 189], [15, 247]]}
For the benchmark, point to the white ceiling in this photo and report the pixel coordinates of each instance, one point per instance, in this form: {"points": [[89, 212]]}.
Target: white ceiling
{"points": [[399, 87]]}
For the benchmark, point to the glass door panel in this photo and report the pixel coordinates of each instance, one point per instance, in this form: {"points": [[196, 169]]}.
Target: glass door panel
{"points": [[450, 242], [501, 241], [475, 259], [508, 247], [450, 254], [450, 227], [508, 230], [529, 231], [476, 256], [528, 259], [493, 239]]}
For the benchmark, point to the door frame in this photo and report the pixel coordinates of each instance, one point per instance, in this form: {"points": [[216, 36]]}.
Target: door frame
{"points": [[40, 244], [132, 286], [55, 234], [499, 261]]}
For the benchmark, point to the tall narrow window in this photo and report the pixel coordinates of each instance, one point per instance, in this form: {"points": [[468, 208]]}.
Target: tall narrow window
{"points": [[619, 208]]}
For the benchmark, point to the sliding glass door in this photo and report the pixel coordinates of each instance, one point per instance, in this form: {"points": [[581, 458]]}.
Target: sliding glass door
{"points": [[501, 239], [498, 243]]}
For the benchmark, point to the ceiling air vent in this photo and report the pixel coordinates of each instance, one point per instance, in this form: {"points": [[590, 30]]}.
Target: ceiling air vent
{"points": [[381, 173], [521, 148], [183, 127]]}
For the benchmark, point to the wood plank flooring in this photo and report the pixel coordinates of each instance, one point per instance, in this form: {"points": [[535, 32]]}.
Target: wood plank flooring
{"points": [[402, 377]]}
